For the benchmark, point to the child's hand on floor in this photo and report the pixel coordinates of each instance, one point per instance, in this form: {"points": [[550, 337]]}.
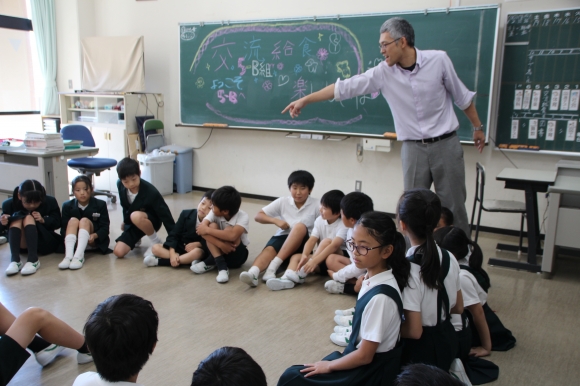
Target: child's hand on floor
{"points": [[479, 352]]}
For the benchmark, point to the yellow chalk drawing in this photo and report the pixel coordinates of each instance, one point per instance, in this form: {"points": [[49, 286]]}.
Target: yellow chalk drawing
{"points": [[320, 37], [343, 68], [207, 66], [199, 83]]}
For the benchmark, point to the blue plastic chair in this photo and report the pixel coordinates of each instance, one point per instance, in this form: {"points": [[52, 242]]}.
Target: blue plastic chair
{"points": [[88, 166]]}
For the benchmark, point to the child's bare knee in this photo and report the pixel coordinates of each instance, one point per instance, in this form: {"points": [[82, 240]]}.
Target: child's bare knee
{"points": [[120, 251], [29, 220], [84, 222], [138, 216], [34, 314], [74, 221], [156, 249]]}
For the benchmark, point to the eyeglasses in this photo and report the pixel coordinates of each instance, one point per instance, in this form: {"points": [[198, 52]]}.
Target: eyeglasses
{"points": [[384, 45], [361, 250]]}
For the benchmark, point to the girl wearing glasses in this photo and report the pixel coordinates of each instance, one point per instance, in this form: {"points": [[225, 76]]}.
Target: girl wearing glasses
{"points": [[434, 291], [372, 356]]}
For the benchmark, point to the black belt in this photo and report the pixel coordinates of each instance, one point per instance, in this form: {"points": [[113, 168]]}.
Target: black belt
{"points": [[435, 139]]}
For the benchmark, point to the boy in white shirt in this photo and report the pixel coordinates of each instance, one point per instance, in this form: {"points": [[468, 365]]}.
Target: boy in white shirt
{"points": [[229, 225], [295, 216], [330, 234]]}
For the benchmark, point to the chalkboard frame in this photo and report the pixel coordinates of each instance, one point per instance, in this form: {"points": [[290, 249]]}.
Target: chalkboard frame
{"points": [[499, 86], [328, 133]]}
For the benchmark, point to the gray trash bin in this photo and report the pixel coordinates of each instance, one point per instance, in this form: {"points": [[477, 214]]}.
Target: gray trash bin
{"points": [[183, 170]]}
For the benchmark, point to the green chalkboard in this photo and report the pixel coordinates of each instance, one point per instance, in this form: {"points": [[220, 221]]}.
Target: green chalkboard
{"points": [[540, 86], [244, 74]]}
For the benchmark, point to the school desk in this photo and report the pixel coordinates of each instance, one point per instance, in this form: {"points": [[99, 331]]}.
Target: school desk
{"points": [[49, 168], [531, 182]]}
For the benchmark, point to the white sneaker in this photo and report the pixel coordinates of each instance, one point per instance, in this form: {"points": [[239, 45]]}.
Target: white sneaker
{"points": [[3, 240], [344, 321], [223, 276], [13, 268], [334, 287], [84, 358], [348, 312], [342, 329], [65, 263], [150, 261], [249, 279], [47, 355], [77, 263], [458, 371], [340, 339], [201, 267], [269, 274], [295, 277], [30, 268], [280, 284]]}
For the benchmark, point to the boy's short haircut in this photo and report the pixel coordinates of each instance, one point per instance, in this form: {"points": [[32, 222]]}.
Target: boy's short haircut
{"points": [[419, 374], [354, 204], [121, 333], [447, 216], [128, 167], [227, 198], [207, 194], [301, 177], [228, 366], [331, 200]]}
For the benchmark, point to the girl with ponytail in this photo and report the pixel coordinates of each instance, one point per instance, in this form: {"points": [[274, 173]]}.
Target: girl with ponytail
{"points": [[434, 291], [31, 218], [373, 354]]}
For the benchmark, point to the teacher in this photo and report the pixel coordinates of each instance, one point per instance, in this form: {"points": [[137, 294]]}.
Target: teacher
{"points": [[419, 87]]}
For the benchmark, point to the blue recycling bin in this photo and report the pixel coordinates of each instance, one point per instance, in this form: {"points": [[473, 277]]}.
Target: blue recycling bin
{"points": [[183, 170]]}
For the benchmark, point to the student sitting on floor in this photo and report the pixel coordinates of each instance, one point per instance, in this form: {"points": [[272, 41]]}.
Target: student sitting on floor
{"points": [[295, 216], [31, 218], [89, 218], [330, 234], [425, 375], [343, 270], [373, 354], [121, 334], [229, 366], [183, 245], [19, 334], [446, 219], [225, 231], [144, 208]]}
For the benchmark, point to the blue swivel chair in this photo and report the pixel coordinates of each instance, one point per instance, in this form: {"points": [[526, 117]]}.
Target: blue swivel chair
{"points": [[88, 166]]}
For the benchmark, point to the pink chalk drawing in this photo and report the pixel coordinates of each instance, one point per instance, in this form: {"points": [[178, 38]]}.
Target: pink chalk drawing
{"points": [[241, 65], [322, 54], [267, 85], [280, 66]]}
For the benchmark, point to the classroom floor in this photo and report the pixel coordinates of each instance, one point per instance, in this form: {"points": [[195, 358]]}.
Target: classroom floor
{"points": [[198, 315]]}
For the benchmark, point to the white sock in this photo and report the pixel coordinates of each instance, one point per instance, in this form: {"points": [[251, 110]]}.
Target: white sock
{"points": [[301, 272], [254, 271], [154, 239], [288, 270], [69, 246], [82, 244], [275, 264]]}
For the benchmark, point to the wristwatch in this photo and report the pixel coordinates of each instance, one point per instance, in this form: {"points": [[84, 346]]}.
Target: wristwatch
{"points": [[480, 128]]}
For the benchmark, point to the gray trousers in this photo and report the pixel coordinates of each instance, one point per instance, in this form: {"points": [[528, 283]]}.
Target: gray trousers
{"points": [[439, 163]]}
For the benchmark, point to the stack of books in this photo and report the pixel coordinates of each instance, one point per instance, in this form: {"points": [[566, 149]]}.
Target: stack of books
{"points": [[72, 144], [43, 141]]}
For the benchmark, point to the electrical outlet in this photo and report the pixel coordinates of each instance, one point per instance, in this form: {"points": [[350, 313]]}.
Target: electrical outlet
{"points": [[359, 149], [70, 84], [357, 186]]}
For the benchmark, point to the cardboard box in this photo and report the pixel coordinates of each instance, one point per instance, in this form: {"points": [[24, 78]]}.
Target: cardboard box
{"points": [[134, 145]]}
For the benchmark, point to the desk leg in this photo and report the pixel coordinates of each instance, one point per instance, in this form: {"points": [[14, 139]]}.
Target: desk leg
{"points": [[56, 178], [550, 242], [533, 225]]}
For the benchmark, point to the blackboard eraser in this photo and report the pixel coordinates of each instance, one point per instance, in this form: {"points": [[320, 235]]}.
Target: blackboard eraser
{"points": [[389, 135], [215, 125]]}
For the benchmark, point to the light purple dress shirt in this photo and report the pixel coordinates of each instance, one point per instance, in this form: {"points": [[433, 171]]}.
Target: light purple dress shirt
{"points": [[420, 100]]}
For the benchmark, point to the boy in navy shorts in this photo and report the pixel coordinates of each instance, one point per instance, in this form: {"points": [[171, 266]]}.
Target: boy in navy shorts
{"points": [[144, 208], [225, 229], [295, 216]]}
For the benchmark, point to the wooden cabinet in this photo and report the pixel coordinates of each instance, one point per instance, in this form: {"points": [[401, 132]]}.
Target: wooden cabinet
{"points": [[110, 118]]}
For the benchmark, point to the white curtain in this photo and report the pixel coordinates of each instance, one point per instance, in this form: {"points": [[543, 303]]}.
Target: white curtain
{"points": [[44, 26]]}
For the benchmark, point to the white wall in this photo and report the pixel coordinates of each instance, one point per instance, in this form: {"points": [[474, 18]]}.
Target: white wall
{"points": [[259, 162]]}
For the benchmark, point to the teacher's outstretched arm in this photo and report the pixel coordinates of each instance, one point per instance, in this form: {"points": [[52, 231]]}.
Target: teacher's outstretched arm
{"points": [[478, 135], [295, 107]]}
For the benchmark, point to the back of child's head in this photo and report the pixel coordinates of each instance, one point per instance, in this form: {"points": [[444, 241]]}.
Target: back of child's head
{"points": [[331, 200], [121, 333], [456, 241], [228, 366], [30, 191], [207, 195], [420, 210], [425, 375], [446, 216], [301, 177], [381, 227], [354, 204], [227, 198], [82, 178], [128, 167]]}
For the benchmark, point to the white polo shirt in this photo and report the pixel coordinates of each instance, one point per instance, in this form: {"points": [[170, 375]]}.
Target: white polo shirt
{"points": [[323, 230], [471, 291], [419, 298], [285, 209], [381, 321], [90, 378], [241, 218]]}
